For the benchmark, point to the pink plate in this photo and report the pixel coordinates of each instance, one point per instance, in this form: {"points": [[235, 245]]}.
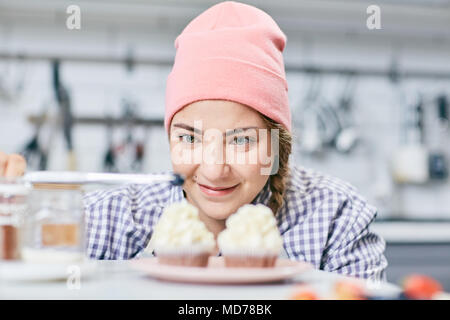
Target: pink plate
{"points": [[216, 272]]}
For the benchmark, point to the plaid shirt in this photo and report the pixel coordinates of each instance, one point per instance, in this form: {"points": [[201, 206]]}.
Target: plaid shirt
{"points": [[323, 221]]}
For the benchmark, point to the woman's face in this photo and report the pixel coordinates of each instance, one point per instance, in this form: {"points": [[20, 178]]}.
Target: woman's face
{"points": [[223, 149]]}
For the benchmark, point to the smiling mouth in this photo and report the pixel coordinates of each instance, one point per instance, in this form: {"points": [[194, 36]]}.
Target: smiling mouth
{"points": [[217, 191], [217, 188]]}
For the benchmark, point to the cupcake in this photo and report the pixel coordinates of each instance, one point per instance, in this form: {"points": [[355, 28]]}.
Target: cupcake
{"points": [[180, 238], [251, 238]]}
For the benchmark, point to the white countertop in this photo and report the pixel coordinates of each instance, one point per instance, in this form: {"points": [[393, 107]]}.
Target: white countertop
{"points": [[413, 231], [116, 280]]}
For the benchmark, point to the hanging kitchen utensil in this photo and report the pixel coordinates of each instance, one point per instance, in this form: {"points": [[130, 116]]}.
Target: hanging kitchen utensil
{"points": [[128, 156], [64, 103], [139, 156], [308, 120], [109, 160], [438, 166], [12, 81], [126, 153], [330, 125], [327, 126], [311, 141], [33, 153], [347, 137], [410, 160], [309, 97]]}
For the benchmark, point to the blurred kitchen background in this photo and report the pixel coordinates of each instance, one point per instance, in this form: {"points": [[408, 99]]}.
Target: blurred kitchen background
{"points": [[369, 106]]}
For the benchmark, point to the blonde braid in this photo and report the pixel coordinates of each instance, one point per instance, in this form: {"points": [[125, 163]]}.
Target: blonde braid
{"points": [[279, 181]]}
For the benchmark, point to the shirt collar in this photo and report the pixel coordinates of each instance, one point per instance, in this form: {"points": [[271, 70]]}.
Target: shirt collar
{"points": [[176, 194]]}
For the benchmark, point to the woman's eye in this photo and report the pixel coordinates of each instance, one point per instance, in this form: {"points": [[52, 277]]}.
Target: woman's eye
{"points": [[188, 138], [242, 140]]}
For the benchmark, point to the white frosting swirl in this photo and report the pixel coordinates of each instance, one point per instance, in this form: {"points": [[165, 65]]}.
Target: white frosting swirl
{"points": [[180, 228], [253, 228]]}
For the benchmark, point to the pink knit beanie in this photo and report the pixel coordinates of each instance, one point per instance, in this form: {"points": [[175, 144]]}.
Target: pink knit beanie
{"points": [[232, 51]]}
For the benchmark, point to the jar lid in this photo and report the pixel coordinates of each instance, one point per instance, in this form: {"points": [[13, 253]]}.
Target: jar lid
{"points": [[14, 186], [57, 199]]}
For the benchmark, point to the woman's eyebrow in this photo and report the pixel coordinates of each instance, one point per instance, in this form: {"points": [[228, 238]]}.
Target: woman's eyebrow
{"points": [[228, 132], [239, 130], [189, 128]]}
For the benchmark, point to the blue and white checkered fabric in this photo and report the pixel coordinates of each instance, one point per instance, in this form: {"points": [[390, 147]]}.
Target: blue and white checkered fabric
{"points": [[324, 221]]}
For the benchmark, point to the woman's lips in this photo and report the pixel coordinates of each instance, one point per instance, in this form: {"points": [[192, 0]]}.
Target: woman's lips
{"points": [[213, 191]]}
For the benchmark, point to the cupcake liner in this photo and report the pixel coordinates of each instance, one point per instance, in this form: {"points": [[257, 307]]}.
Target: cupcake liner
{"points": [[198, 260], [190, 257], [249, 258]]}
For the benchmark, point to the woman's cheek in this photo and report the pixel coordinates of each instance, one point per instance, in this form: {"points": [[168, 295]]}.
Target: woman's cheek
{"points": [[184, 155]]}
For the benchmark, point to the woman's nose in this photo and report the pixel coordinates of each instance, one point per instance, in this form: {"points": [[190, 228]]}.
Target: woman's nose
{"points": [[214, 164], [214, 172]]}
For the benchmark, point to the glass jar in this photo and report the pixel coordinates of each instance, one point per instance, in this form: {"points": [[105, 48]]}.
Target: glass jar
{"points": [[54, 226], [13, 206]]}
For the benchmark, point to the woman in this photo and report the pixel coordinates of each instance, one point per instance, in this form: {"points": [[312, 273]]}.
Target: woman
{"points": [[229, 124]]}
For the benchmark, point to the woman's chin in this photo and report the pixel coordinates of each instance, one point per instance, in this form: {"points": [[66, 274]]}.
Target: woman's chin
{"points": [[217, 212]]}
